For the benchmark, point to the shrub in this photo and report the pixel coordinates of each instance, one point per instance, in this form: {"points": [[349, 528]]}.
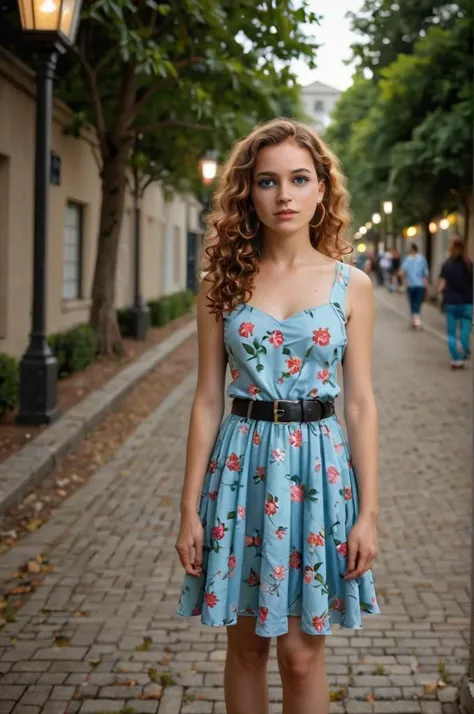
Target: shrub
{"points": [[75, 349], [9, 383], [169, 307], [159, 312]]}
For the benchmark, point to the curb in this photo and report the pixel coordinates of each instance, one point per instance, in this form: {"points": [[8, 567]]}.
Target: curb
{"points": [[31, 464]]}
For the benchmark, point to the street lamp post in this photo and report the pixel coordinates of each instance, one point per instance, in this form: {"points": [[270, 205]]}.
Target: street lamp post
{"points": [[387, 212], [50, 26], [208, 172], [376, 219], [140, 311]]}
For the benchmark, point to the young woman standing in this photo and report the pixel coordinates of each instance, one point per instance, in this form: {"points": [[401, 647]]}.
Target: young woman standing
{"points": [[278, 534]]}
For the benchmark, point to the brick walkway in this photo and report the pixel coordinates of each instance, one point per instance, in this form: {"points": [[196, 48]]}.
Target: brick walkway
{"points": [[99, 634]]}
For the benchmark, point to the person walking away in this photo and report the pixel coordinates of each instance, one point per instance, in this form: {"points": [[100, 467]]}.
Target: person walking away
{"points": [[456, 286], [394, 270], [415, 272], [278, 520]]}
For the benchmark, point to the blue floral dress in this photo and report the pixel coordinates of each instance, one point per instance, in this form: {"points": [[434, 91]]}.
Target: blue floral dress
{"points": [[278, 500]]}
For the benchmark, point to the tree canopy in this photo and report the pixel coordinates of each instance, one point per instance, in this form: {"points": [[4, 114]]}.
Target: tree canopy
{"points": [[404, 130]]}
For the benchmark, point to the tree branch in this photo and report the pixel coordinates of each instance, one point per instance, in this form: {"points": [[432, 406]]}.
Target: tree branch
{"points": [[95, 97], [141, 103], [169, 122]]}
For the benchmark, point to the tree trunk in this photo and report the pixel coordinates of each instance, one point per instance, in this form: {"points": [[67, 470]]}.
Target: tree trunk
{"points": [[103, 317]]}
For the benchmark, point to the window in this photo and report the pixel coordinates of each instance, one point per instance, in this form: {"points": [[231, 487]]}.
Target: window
{"points": [[72, 256], [319, 106]]}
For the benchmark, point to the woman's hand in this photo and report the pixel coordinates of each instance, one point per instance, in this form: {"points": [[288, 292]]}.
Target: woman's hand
{"points": [[189, 543], [362, 548]]}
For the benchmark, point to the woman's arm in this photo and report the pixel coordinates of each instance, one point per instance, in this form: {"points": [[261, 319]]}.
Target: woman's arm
{"points": [[360, 414], [208, 404], [206, 416]]}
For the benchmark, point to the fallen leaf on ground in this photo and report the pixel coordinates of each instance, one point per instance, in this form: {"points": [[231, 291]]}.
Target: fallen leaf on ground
{"points": [[34, 525]]}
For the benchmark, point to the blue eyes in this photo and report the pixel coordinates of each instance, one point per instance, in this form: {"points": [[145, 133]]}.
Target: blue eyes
{"points": [[269, 182]]}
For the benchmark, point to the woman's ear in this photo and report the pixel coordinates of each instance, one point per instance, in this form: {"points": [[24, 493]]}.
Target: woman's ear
{"points": [[321, 191]]}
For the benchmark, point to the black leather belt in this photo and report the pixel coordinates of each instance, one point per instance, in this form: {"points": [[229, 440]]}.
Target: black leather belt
{"points": [[282, 411]]}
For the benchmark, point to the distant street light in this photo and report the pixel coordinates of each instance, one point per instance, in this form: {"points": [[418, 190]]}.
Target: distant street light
{"points": [[376, 218], [433, 227], [387, 211], [50, 26], [208, 167], [368, 225], [444, 224], [411, 232], [363, 230]]}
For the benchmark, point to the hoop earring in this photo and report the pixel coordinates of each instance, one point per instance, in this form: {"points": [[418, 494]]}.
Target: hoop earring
{"points": [[323, 216], [245, 236]]}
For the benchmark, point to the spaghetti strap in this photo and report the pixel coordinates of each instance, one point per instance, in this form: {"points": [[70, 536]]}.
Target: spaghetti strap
{"points": [[338, 293]]}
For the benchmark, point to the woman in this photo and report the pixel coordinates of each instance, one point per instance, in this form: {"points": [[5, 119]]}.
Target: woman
{"points": [[455, 284], [276, 537], [415, 272]]}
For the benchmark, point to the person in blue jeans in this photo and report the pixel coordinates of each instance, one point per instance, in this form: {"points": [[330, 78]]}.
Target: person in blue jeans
{"points": [[415, 271], [456, 285]]}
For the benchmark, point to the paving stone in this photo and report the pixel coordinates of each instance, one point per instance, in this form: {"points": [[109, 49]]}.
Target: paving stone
{"points": [[141, 706], [95, 706], [399, 707], [11, 692], [63, 693], [6, 706]]}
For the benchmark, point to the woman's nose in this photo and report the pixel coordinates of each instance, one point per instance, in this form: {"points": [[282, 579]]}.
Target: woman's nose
{"points": [[284, 193]]}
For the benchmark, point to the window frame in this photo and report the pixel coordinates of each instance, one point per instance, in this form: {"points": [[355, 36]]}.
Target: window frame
{"points": [[80, 251]]}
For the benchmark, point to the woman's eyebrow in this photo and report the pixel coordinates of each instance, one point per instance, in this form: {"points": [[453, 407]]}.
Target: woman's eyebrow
{"points": [[272, 173]]}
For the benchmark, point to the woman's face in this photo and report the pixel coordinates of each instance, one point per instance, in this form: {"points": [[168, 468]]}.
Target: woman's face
{"points": [[285, 187]]}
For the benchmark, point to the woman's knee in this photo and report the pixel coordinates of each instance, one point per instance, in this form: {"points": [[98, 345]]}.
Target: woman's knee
{"points": [[246, 649], [299, 664]]}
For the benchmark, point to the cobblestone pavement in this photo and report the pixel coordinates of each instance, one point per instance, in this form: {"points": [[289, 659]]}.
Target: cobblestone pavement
{"points": [[99, 635]]}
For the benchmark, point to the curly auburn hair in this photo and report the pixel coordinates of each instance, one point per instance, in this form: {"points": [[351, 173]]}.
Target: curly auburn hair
{"points": [[231, 260]]}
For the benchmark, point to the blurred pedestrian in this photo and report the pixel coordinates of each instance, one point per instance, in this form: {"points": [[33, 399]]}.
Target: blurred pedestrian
{"points": [[385, 267], [415, 272], [455, 284], [394, 270]]}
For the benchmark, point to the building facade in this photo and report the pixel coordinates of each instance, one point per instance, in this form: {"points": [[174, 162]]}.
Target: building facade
{"points": [[171, 234], [318, 103]]}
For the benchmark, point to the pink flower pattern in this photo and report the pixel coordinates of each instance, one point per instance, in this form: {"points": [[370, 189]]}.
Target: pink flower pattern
{"points": [[279, 500]]}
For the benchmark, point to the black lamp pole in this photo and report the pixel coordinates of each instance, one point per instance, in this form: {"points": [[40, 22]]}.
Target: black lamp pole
{"points": [[140, 311], [39, 367]]}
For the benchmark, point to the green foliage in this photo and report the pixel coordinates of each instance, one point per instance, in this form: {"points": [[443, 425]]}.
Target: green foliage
{"points": [[9, 383], [74, 349], [406, 134], [169, 307]]}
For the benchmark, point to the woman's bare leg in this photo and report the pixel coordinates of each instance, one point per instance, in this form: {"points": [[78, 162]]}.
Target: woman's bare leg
{"points": [[245, 674], [301, 660]]}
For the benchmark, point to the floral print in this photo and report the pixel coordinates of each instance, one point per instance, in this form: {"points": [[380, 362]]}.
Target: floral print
{"points": [[279, 500]]}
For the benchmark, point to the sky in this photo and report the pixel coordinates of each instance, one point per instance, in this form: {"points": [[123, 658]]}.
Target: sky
{"points": [[335, 38]]}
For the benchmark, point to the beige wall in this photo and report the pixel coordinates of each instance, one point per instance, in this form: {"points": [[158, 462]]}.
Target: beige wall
{"points": [[163, 224]]}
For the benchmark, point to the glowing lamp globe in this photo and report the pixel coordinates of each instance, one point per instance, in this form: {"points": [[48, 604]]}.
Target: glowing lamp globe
{"points": [[51, 20], [208, 167]]}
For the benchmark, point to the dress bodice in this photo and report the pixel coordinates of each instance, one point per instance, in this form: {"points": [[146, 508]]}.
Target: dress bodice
{"points": [[296, 358]]}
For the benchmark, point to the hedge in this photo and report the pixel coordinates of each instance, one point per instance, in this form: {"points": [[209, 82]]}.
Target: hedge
{"points": [[74, 349], [170, 307], [9, 383]]}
